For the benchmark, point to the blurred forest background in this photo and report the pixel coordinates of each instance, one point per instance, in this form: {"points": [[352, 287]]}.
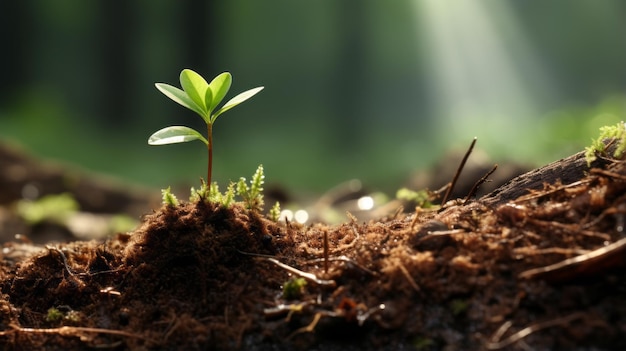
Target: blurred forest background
{"points": [[353, 88]]}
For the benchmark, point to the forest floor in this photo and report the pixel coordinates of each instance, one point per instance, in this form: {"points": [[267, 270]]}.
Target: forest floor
{"points": [[537, 264]]}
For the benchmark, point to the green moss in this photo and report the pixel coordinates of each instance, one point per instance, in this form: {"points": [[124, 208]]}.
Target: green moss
{"points": [[294, 288], [54, 315], [274, 213], [253, 195], [169, 199], [597, 147], [56, 208], [422, 198]]}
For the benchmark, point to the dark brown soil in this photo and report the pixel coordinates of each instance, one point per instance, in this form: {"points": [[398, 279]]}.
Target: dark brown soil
{"points": [[537, 264]]}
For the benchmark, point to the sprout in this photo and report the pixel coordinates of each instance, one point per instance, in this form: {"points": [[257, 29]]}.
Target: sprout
{"points": [[202, 98]]}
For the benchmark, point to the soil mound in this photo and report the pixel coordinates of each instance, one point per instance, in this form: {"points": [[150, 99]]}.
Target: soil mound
{"points": [[538, 263]]}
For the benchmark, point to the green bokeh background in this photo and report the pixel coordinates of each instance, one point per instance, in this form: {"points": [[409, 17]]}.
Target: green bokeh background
{"points": [[353, 88]]}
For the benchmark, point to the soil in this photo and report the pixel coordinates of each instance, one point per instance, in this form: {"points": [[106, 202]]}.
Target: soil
{"points": [[536, 264]]}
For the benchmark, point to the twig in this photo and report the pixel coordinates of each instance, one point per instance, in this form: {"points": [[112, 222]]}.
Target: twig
{"points": [[409, 278], [528, 251], [479, 183], [496, 344], [458, 172], [67, 267], [68, 330], [541, 194], [308, 276], [607, 173], [309, 328], [575, 228], [325, 251], [611, 256], [344, 259]]}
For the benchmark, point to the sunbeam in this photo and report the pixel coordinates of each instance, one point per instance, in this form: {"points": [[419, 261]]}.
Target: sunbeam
{"points": [[484, 79]]}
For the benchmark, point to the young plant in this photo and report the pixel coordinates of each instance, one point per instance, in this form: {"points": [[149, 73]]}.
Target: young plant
{"points": [[202, 98]]}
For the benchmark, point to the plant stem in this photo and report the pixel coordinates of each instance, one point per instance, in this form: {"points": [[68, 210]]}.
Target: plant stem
{"points": [[210, 147]]}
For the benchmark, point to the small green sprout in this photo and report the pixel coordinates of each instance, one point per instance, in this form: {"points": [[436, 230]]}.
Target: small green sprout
{"points": [[274, 212], [253, 195], [229, 196], [423, 343], [73, 317], [54, 315], [169, 199], [294, 288], [617, 131], [422, 198], [212, 194], [458, 306], [203, 193], [55, 208], [202, 98]]}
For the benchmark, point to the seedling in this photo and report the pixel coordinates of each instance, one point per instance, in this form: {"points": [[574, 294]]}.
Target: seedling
{"points": [[202, 98]]}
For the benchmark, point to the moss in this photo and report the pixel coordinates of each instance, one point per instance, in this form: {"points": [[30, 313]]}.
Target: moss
{"points": [[598, 146]]}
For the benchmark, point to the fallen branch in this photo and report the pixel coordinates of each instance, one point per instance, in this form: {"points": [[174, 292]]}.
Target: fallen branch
{"points": [[567, 170]]}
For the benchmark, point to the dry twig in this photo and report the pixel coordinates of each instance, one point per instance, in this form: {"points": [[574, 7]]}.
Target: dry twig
{"points": [[497, 344], [458, 173]]}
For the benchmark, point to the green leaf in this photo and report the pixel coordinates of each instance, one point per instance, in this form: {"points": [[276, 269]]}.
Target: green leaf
{"points": [[195, 86], [219, 86], [175, 134], [236, 101], [208, 96], [181, 98]]}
